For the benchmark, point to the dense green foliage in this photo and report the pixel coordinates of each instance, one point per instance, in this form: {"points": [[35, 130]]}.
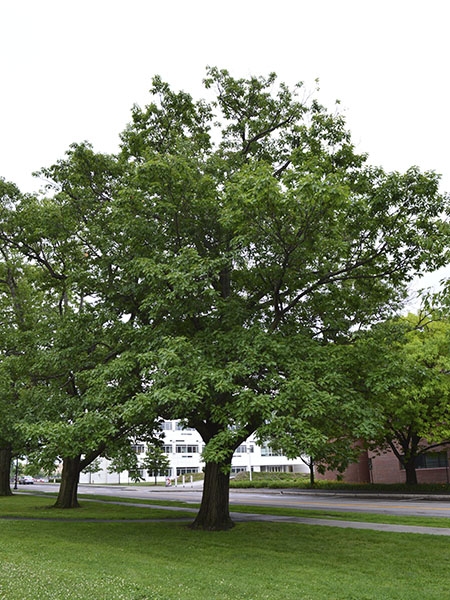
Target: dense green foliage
{"points": [[22, 311], [407, 375], [215, 269]]}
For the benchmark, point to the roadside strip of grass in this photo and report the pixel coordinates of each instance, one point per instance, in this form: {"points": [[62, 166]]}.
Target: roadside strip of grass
{"points": [[106, 503], [74, 560], [27, 506], [419, 521], [117, 499]]}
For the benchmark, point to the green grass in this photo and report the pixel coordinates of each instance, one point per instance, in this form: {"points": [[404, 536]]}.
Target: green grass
{"points": [[147, 501], [40, 507], [107, 510], [72, 560], [419, 521], [111, 499]]}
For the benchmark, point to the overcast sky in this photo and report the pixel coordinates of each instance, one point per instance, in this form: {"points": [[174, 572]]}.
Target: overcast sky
{"points": [[71, 70]]}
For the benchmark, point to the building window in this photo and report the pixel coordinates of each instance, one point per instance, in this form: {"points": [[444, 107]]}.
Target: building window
{"points": [[268, 451], [242, 449], [138, 448], [181, 426], [276, 469], [166, 425], [431, 460], [235, 470], [167, 449], [164, 473], [186, 470], [186, 449], [135, 473]]}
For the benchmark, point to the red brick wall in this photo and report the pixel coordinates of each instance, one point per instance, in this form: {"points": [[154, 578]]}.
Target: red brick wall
{"points": [[355, 472], [386, 469], [440, 475]]}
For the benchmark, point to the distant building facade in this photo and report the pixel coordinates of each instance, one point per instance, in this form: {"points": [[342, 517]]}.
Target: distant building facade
{"points": [[183, 447]]}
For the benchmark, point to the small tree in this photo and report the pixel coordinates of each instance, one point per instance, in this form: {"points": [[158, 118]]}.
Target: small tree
{"points": [[123, 457], [123, 460], [156, 461], [93, 467]]}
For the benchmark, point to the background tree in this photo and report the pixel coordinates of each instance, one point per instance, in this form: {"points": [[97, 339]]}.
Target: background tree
{"points": [[156, 462], [94, 467], [75, 393], [123, 458], [21, 302], [324, 411], [409, 386], [82, 411]]}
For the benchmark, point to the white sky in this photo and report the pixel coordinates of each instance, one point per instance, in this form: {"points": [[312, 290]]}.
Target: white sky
{"points": [[72, 69]]}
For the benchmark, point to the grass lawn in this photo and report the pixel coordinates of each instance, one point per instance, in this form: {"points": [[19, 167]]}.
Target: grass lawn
{"points": [[72, 560], [419, 521], [40, 507]]}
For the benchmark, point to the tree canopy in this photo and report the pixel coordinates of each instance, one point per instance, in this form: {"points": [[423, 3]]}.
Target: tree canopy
{"points": [[227, 240], [408, 380]]}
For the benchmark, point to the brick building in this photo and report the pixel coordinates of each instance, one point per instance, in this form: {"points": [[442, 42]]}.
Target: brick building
{"points": [[372, 467]]}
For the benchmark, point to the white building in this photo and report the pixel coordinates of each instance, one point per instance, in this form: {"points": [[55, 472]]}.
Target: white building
{"points": [[184, 446]]}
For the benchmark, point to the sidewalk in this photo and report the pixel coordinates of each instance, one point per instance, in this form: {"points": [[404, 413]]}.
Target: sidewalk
{"points": [[240, 517]]}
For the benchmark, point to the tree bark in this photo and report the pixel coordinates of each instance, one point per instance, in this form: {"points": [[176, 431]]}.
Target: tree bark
{"points": [[410, 470], [311, 473], [5, 470], [68, 490], [214, 513]]}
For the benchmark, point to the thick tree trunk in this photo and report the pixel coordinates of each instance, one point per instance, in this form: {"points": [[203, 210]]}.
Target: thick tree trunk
{"points": [[410, 470], [214, 513], [5, 470], [68, 490]]}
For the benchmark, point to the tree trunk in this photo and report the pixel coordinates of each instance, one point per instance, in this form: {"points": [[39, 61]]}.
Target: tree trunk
{"points": [[5, 470], [311, 473], [214, 513], [68, 490], [410, 470]]}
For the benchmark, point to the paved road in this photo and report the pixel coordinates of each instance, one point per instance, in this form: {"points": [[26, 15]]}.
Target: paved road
{"points": [[398, 505]]}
